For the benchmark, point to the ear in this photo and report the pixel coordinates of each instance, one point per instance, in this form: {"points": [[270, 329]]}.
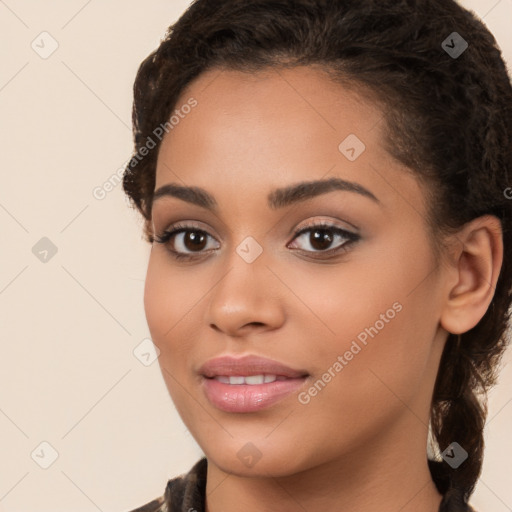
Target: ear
{"points": [[472, 273]]}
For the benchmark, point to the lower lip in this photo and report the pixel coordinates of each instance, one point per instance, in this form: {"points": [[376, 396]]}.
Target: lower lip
{"points": [[246, 397]]}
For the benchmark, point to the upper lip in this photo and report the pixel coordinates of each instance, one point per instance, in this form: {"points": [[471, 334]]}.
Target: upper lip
{"points": [[247, 365]]}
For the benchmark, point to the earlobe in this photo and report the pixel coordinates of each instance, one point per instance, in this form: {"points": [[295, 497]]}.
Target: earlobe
{"points": [[476, 267]]}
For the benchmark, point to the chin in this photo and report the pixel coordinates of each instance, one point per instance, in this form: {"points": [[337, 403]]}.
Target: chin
{"points": [[255, 459]]}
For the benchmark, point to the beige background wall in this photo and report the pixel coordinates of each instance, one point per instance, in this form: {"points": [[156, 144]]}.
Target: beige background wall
{"points": [[69, 326]]}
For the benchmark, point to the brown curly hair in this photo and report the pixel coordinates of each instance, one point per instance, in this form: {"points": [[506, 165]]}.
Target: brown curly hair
{"points": [[449, 119]]}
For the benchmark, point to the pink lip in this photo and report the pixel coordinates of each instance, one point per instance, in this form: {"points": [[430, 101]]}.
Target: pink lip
{"points": [[246, 397], [247, 365]]}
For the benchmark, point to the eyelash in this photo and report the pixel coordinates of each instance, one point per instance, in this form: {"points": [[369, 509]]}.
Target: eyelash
{"points": [[165, 237]]}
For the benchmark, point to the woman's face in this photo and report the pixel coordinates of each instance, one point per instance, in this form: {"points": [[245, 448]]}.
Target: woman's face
{"points": [[352, 303]]}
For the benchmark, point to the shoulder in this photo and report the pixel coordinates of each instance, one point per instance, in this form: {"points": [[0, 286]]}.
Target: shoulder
{"points": [[182, 493]]}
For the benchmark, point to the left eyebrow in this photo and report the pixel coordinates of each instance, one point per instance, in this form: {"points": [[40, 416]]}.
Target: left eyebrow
{"points": [[282, 197], [278, 198]]}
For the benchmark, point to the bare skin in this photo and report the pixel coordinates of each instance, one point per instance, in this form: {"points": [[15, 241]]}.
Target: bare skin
{"points": [[359, 444]]}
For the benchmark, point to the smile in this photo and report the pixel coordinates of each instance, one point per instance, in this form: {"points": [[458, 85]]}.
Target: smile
{"points": [[248, 379], [251, 393]]}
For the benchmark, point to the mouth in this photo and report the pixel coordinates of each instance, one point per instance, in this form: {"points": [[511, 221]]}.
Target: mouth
{"points": [[250, 380], [238, 396], [249, 383]]}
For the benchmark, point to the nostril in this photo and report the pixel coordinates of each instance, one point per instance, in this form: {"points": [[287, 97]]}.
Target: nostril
{"points": [[244, 326]]}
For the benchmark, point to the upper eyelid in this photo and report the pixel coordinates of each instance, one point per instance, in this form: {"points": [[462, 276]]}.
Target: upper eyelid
{"points": [[190, 225], [182, 227], [310, 223], [326, 224]]}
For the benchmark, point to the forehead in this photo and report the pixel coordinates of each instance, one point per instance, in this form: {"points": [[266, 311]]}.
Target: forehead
{"points": [[276, 127], [301, 100]]}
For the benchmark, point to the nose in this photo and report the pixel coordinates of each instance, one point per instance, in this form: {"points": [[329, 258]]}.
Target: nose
{"points": [[246, 298]]}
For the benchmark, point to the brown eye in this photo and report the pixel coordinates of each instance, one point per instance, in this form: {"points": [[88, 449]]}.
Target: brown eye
{"points": [[320, 239], [186, 242], [194, 240]]}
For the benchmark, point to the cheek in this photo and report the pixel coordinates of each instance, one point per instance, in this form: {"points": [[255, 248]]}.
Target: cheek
{"points": [[159, 305], [168, 305], [168, 298], [378, 312], [169, 301]]}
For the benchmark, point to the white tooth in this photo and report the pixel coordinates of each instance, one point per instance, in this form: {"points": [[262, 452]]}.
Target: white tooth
{"points": [[254, 379], [249, 379]]}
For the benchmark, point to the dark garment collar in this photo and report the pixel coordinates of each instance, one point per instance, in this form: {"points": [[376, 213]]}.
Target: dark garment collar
{"points": [[187, 493]]}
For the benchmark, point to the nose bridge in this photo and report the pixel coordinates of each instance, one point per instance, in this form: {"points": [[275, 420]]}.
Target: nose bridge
{"points": [[246, 263], [245, 281], [243, 295]]}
